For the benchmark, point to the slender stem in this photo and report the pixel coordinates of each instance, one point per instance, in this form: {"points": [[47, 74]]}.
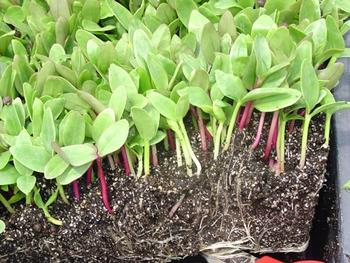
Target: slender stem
{"points": [[259, 132], [154, 155], [6, 204], [76, 191], [250, 113], [89, 175], [125, 160], [291, 126], [171, 140], [202, 130], [271, 133], [304, 140], [245, 115], [61, 192], [139, 166], [178, 152], [280, 144], [327, 128], [103, 183], [173, 78], [275, 135], [213, 125], [218, 140], [207, 134], [146, 157], [111, 162], [189, 148], [29, 199], [130, 161], [231, 126], [194, 118]]}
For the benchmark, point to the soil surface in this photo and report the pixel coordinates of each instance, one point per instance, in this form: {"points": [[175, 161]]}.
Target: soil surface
{"points": [[236, 199]]}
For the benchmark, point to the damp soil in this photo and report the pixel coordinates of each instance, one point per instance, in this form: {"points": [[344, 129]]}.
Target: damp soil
{"points": [[236, 199]]}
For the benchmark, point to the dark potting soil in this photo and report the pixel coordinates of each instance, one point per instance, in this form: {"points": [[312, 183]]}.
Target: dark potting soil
{"points": [[236, 198]]}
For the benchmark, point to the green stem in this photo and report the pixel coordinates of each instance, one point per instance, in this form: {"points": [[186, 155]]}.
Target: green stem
{"points": [[61, 192], [213, 123], [178, 151], [304, 139], [139, 167], [29, 199], [131, 165], [189, 148], [231, 126], [146, 157], [6, 204], [327, 128], [280, 143], [218, 140]]}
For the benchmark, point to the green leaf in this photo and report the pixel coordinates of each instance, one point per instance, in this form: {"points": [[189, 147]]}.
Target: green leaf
{"points": [[8, 175], [142, 46], [210, 42], [163, 105], [145, 124], [197, 23], [113, 138], [334, 36], [331, 74], [57, 53], [72, 129], [118, 77], [227, 25], [96, 28], [158, 73], [309, 85], [158, 138], [55, 167], [33, 157], [272, 99], [91, 10], [121, 13], [263, 25], [198, 97], [12, 122], [29, 96], [55, 86], [310, 9], [102, 122], [118, 101], [72, 173], [182, 107], [331, 108], [4, 159], [318, 29], [230, 85], [56, 105], [21, 169], [26, 183], [59, 8], [48, 130], [263, 56], [184, 9], [79, 154]]}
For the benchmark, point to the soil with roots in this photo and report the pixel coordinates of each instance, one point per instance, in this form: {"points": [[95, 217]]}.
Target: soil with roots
{"points": [[237, 200]]}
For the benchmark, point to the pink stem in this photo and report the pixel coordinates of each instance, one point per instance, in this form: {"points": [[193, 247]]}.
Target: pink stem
{"points": [[274, 138], [89, 175], [202, 131], [271, 164], [271, 132], [302, 113], [259, 132], [116, 159], [250, 113], [103, 184], [76, 191], [291, 126], [171, 140], [239, 116], [194, 112], [245, 115], [208, 135], [125, 161], [154, 156]]}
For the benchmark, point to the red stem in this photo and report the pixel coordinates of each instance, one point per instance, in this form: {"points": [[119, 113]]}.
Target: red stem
{"points": [[250, 113], [125, 161], [208, 135], [171, 140], [271, 133], [202, 131], [239, 116], [76, 191], [274, 138], [89, 175], [103, 184], [245, 115], [259, 132], [291, 126]]}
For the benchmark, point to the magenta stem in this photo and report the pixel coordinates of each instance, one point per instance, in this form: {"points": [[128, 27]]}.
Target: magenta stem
{"points": [[271, 164], [125, 161], [76, 191], [250, 113], [171, 140], [271, 133], [245, 115], [103, 184], [291, 125], [89, 175], [274, 138], [207, 134], [239, 116], [202, 130], [259, 132]]}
